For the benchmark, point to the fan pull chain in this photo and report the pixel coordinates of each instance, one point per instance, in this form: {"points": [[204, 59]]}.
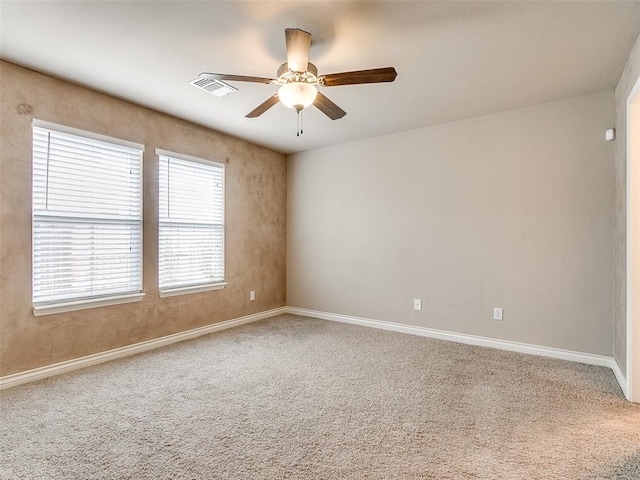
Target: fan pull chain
{"points": [[299, 130]]}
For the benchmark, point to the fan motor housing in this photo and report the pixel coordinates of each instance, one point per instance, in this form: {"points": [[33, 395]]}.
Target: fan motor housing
{"points": [[286, 76]]}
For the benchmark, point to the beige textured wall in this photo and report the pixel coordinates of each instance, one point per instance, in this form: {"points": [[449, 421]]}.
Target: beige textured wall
{"points": [[255, 225], [513, 210], [623, 89]]}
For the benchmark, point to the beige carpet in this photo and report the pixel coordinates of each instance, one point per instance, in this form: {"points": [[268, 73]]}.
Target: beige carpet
{"points": [[292, 397]]}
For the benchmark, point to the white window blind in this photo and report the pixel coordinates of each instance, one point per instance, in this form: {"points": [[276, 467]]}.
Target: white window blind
{"points": [[87, 217], [191, 222]]}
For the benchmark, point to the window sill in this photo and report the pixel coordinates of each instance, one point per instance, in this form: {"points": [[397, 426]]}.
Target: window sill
{"points": [[172, 292], [84, 304]]}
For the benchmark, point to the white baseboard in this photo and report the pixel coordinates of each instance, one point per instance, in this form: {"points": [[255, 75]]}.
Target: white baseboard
{"points": [[9, 381], [622, 380], [588, 358], [94, 359]]}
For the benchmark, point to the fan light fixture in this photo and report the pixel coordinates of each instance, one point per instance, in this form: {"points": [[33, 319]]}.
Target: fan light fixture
{"points": [[297, 95], [298, 80]]}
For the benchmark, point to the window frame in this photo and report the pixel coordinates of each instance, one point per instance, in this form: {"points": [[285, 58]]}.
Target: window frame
{"points": [[203, 287], [81, 303]]}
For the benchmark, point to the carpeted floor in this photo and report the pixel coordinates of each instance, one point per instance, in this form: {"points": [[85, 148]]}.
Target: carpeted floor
{"points": [[299, 398]]}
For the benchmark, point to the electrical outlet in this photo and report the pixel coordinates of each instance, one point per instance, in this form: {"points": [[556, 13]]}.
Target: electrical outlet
{"points": [[497, 313], [417, 304], [252, 295]]}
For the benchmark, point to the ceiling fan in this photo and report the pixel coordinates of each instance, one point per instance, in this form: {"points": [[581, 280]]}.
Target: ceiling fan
{"points": [[298, 79]]}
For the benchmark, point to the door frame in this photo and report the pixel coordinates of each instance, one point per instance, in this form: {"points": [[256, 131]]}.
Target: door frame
{"points": [[633, 244]]}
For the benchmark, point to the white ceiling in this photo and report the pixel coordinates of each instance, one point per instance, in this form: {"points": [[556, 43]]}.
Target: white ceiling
{"points": [[454, 59]]}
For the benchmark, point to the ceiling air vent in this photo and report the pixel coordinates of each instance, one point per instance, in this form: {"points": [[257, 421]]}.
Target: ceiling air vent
{"points": [[218, 88]]}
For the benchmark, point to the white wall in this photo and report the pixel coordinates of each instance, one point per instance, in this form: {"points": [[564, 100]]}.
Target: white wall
{"points": [[513, 209]]}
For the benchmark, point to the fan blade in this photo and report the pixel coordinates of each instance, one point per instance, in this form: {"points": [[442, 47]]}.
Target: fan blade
{"points": [[298, 45], [375, 75], [236, 78], [263, 107], [326, 106]]}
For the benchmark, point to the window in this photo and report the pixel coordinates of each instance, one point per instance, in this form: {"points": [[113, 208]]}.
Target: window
{"points": [[191, 224], [87, 219]]}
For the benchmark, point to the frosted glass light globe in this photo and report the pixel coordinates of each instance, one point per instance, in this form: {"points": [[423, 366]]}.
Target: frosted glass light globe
{"points": [[297, 95]]}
